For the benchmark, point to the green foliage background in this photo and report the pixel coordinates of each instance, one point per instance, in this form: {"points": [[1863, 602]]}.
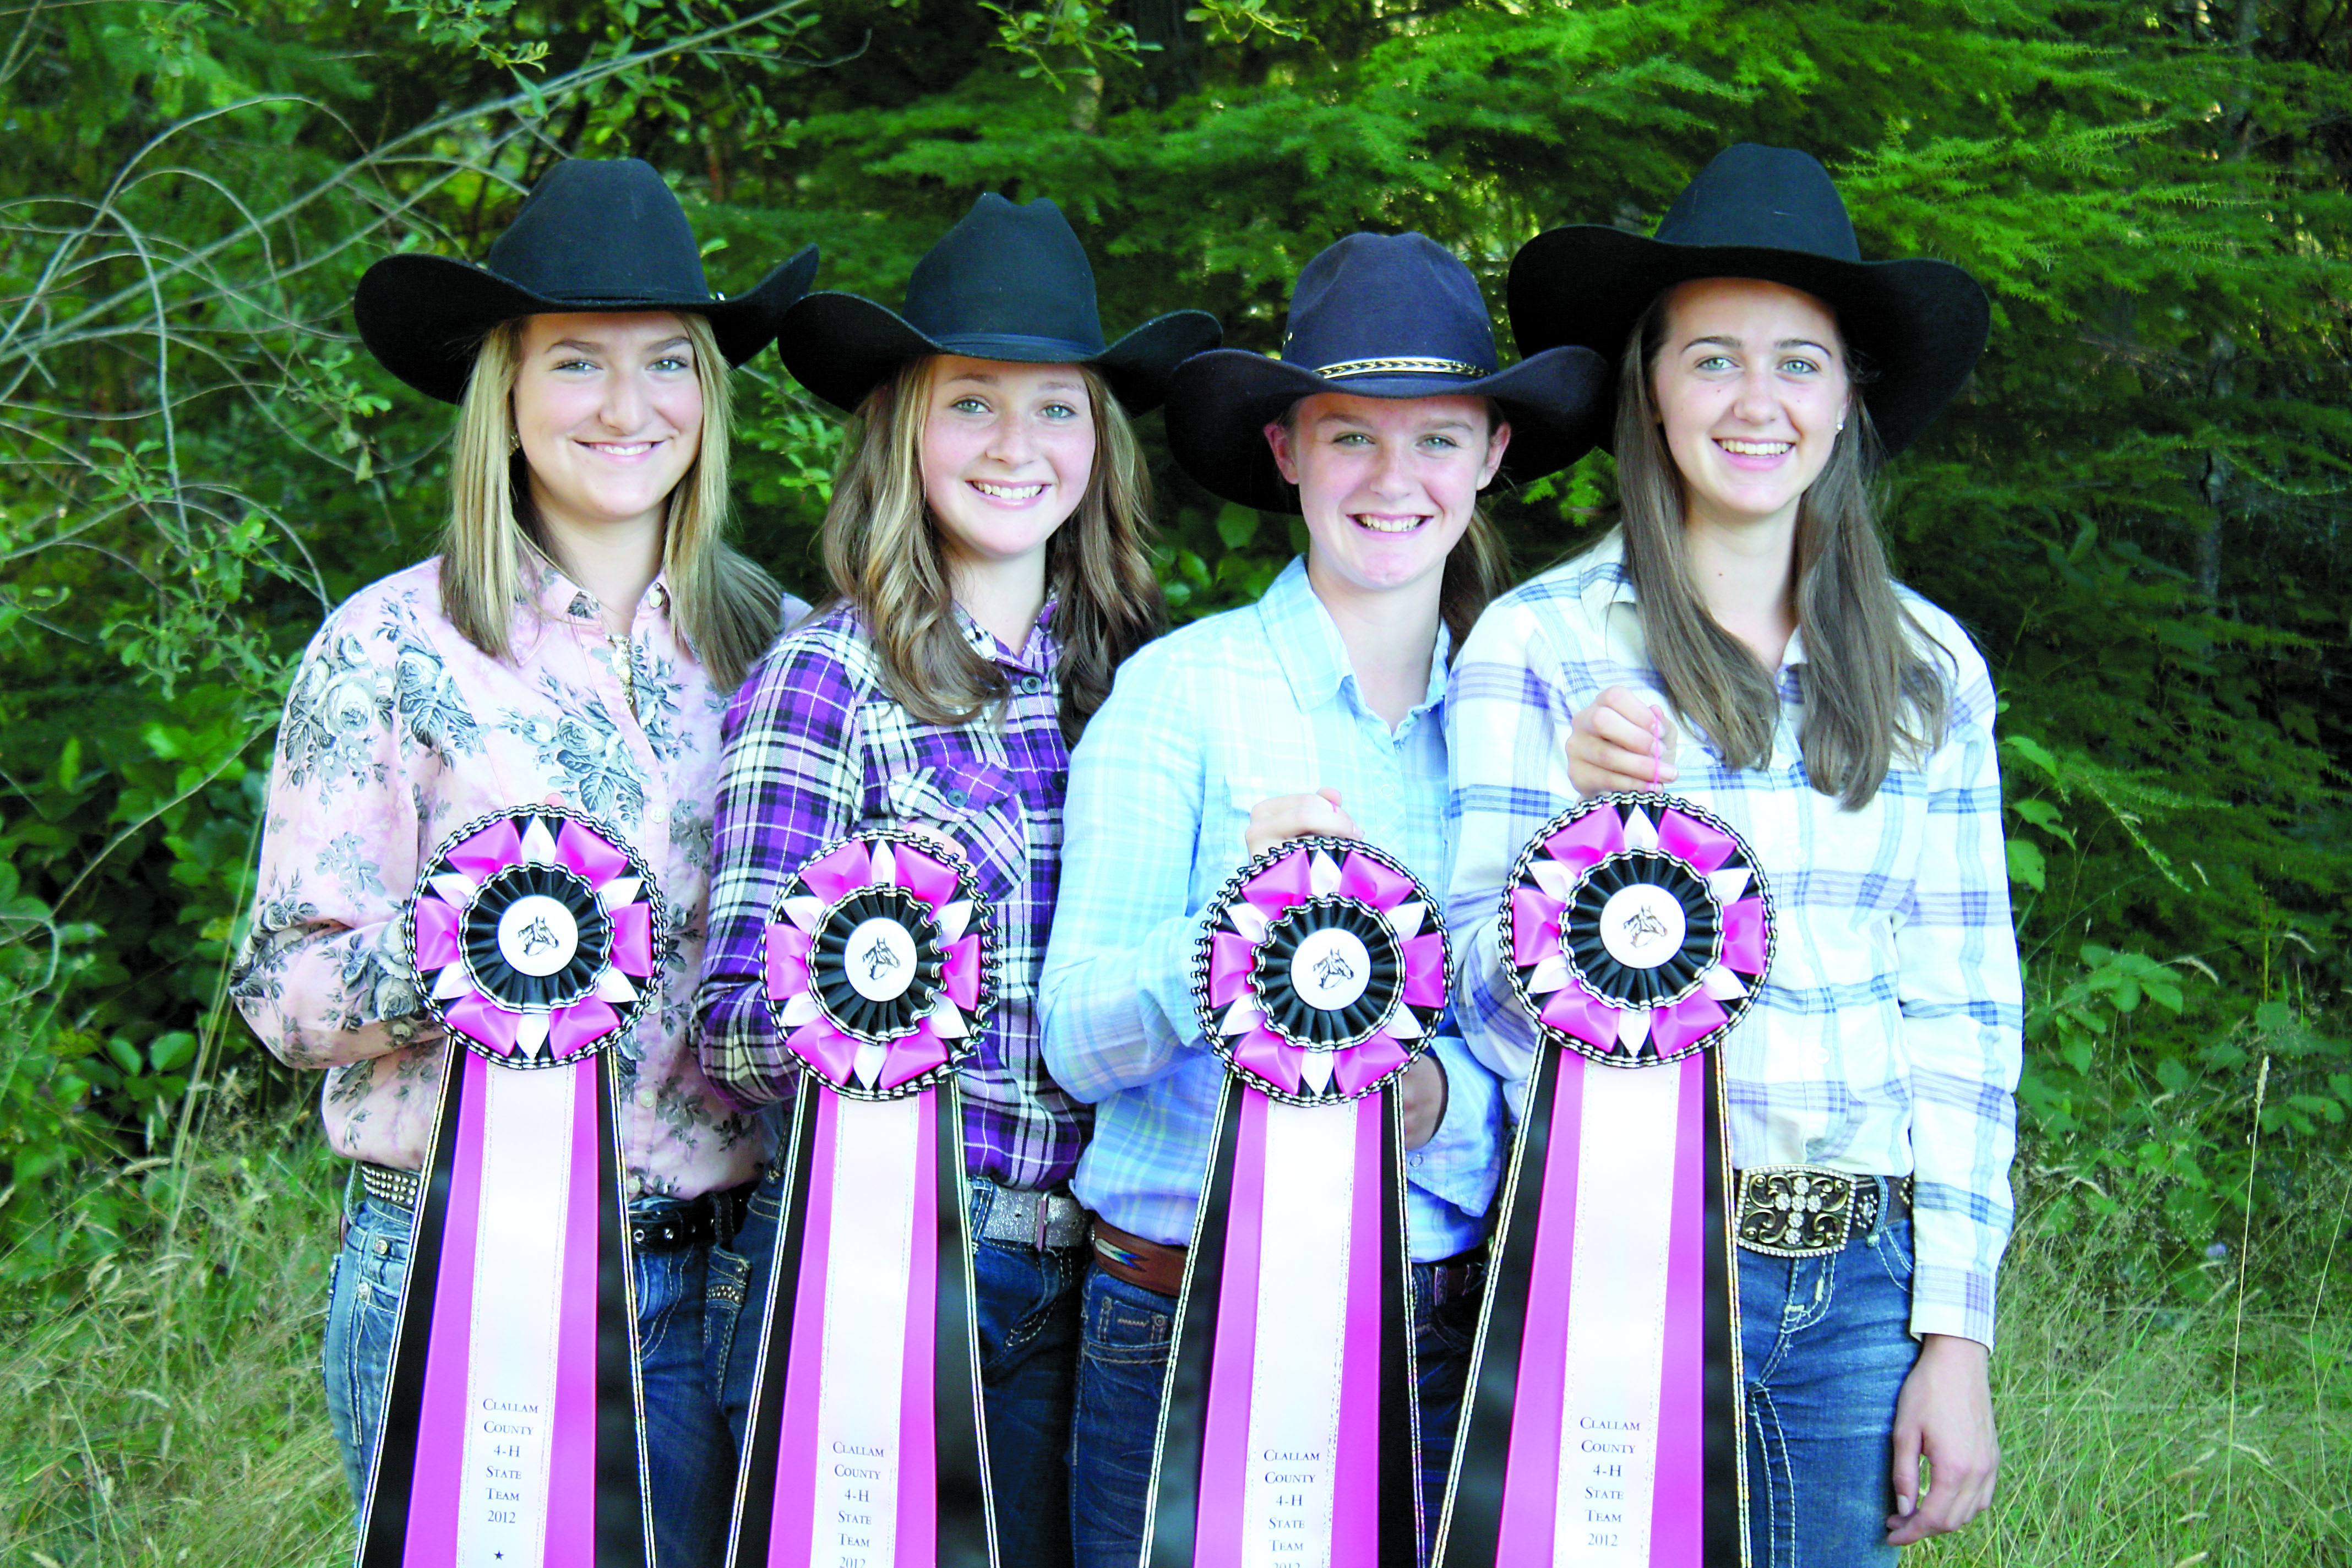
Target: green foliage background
{"points": [[2139, 506]]}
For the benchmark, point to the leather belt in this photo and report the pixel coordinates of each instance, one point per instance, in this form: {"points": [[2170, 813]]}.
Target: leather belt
{"points": [[1811, 1211], [1452, 1278], [662, 1225], [1041, 1220], [386, 1185], [1126, 1256]]}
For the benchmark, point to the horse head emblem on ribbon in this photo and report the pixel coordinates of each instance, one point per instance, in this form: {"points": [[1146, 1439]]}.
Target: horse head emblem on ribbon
{"points": [[879, 957], [537, 937], [1331, 970], [1642, 925]]}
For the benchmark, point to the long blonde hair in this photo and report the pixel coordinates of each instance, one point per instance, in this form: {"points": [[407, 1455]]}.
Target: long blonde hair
{"points": [[882, 551], [1870, 691], [725, 608]]}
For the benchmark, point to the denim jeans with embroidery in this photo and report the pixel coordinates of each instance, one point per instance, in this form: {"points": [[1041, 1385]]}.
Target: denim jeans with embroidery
{"points": [[1028, 1308], [1123, 1360], [690, 1457], [1826, 1344]]}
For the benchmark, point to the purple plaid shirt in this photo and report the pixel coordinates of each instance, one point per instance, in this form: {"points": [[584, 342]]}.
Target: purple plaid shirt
{"points": [[816, 748]]}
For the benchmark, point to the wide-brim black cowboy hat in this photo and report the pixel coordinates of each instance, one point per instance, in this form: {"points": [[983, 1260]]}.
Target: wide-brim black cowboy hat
{"points": [[1388, 316], [594, 235], [1008, 282], [1769, 212]]}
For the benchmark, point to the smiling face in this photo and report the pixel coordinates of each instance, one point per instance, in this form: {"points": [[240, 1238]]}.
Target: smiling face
{"points": [[1007, 452], [609, 411], [1751, 386], [1386, 484]]}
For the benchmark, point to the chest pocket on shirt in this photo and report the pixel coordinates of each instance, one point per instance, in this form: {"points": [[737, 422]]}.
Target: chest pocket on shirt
{"points": [[974, 803]]}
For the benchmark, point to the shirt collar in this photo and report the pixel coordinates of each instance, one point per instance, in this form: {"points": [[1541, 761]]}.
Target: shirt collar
{"points": [[1035, 656], [1308, 648], [559, 598]]}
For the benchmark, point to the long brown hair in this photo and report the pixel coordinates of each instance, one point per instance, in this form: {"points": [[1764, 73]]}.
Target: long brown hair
{"points": [[882, 551], [725, 608], [1870, 692]]}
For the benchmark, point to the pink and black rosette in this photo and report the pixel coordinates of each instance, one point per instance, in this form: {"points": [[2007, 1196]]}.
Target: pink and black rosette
{"points": [[1636, 928], [880, 963], [532, 932], [1322, 971]]}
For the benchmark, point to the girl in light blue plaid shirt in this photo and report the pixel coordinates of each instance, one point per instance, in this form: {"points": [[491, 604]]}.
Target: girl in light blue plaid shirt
{"points": [[1843, 726]]}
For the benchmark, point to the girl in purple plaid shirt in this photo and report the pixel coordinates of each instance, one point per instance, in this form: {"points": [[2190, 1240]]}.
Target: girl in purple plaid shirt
{"points": [[986, 544]]}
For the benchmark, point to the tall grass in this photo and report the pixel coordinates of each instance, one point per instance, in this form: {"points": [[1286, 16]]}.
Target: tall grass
{"points": [[161, 1402], [161, 1405], [2122, 1439]]}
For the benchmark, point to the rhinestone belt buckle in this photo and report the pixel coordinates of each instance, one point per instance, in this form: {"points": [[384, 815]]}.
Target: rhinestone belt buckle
{"points": [[1802, 1211]]}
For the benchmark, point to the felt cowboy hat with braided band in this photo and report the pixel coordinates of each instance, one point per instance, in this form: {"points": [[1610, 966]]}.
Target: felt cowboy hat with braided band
{"points": [[1377, 315], [593, 234], [1009, 282], [1768, 213]]}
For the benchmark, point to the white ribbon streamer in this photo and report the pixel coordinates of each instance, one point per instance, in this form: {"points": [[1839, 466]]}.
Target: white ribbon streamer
{"points": [[1616, 1305]]}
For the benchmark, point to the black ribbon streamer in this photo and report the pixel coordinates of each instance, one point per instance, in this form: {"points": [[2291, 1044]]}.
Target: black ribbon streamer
{"points": [[624, 1517], [967, 1525], [1469, 1536], [1169, 1528]]}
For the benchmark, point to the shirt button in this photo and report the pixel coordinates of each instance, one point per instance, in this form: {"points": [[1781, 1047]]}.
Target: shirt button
{"points": [[958, 796], [1031, 684], [382, 1246], [635, 1187], [1061, 781], [646, 1096]]}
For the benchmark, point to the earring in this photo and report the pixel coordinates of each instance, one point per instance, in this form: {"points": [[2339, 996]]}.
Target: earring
{"points": [[1841, 421], [514, 440]]}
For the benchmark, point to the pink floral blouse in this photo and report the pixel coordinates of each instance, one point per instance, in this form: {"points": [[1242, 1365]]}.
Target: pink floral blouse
{"points": [[399, 730]]}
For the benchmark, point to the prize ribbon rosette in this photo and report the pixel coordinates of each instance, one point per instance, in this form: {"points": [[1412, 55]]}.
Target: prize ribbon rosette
{"points": [[534, 936], [1321, 972], [864, 1446], [1319, 978], [1635, 932]]}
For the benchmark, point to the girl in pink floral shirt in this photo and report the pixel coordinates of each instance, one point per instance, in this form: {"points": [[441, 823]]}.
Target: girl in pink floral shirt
{"points": [[575, 645]]}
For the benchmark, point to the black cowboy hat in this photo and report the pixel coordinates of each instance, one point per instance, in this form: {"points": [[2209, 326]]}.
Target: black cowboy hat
{"points": [[1768, 213], [1378, 316], [593, 234], [1008, 283]]}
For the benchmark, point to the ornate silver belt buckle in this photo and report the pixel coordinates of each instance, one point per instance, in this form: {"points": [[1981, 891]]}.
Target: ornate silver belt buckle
{"points": [[1796, 1211]]}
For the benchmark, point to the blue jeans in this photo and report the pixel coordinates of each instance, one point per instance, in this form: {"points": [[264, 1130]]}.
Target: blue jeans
{"points": [[1028, 1309], [1122, 1368], [691, 1460], [1826, 1343]]}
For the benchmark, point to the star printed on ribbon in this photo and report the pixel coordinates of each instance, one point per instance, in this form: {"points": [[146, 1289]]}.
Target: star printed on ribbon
{"points": [[1637, 929], [532, 934], [1322, 971], [880, 964]]}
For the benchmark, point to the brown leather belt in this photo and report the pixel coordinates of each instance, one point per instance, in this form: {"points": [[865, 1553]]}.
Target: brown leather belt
{"points": [[1129, 1257], [1154, 1267]]}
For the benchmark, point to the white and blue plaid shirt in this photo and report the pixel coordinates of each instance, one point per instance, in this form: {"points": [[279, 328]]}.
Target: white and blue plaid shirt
{"points": [[1887, 1039], [1200, 726]]}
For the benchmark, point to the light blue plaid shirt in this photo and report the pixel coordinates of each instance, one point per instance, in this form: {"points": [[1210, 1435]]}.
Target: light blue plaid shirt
{"points": [[1887, 1039], [1203, 725]]}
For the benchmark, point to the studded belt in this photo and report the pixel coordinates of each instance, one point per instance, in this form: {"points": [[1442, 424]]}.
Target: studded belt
{"points": [[711, 1219], [1041, 1220], [386, 1185], [1811, 1211]]}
